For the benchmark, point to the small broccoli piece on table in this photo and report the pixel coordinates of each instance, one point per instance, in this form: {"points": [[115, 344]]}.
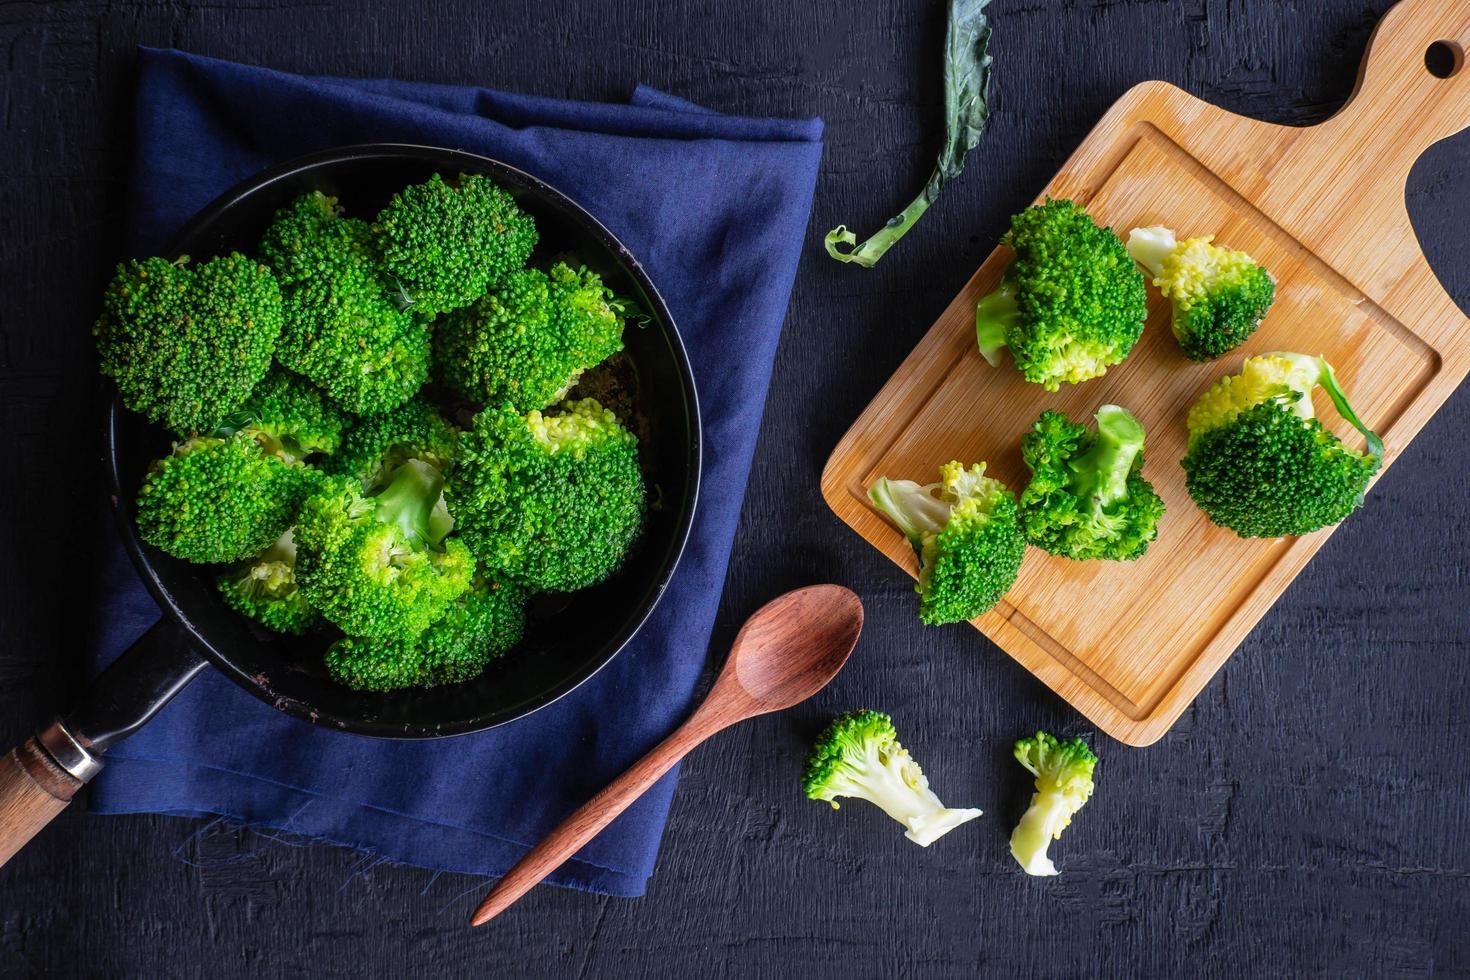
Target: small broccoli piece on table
{"points": [[376, 446], [446, 244], [381, 566], [220, 499], [1071, 303], [1261, 464], [555, 500], [1063, 772], [343, 329], [858, 756], [529, 341], [1220, 296], [185, 344], [289, 416], [264, 588], [480, 625], [1087, 497], [967, 533]]}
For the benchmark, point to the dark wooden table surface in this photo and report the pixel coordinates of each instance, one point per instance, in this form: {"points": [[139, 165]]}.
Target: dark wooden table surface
{"points": [[1310, 814]]}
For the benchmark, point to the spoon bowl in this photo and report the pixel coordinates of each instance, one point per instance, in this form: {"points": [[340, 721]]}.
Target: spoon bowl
{"points": [[788, 650]]}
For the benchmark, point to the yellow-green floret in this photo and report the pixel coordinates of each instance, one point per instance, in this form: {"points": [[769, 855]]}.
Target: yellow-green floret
{"points": [[483, 623], [445, 245], [966, 532], [343, 329], [1219, 295], [554, 500], [1071, 303], [858, 756], [527, 342], [264, 588], [185, 344], [1063, 772], [1087, 497], [220, 499], [375, 446], [1262, 464], [380, 566]]}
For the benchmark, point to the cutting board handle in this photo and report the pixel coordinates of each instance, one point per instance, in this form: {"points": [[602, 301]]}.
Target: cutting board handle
{"points": [[1398, 100]]}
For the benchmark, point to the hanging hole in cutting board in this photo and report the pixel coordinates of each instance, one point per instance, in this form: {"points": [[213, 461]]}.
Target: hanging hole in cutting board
{"points": [[1444, 59]]}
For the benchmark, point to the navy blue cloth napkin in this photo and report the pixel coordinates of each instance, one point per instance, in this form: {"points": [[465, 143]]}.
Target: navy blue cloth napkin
{"points": [[716, 208]]}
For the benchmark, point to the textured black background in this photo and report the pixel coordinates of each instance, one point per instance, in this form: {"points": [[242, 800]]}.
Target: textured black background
{"points": [[1308, 815]]}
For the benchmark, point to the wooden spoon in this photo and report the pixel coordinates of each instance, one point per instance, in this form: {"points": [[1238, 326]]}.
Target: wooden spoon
{"points": [[784, 654]]}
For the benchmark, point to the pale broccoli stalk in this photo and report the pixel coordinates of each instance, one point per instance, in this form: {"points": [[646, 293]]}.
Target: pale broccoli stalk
{"points": [[1102, 471], [414, 500], [1063, 772], [859, 756], [995, 315]]}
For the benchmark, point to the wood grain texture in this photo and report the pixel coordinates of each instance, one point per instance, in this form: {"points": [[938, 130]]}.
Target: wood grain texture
{"points": [[786, 652], [1305, 818], [1320, 206], [33, 790]]}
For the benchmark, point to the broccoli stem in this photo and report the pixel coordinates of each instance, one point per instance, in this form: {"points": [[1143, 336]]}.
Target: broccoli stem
{"points": [[1102, 471], [1039, 826], [410, 500], [882, 782], [869, 252], [1328, 380], [1316, 371], [995, 315], [913, 507], [1151, 246]]}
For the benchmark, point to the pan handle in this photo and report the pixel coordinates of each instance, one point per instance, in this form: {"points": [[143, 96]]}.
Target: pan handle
{"points": [[39, 778]]}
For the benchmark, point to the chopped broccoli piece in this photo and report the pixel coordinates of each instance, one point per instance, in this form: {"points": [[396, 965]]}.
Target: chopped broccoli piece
{"points": [[1220, 296], [968, 539], [381, 566], [1087, 497], [528, 342], [1063, 772], [1071, 303], [1261, 463], [186, 344], [858, 756], [289, 417], [446, 244], [342, 329], [480, 625], [264, 588], [376, 446], [554, 501], [218, 500]]}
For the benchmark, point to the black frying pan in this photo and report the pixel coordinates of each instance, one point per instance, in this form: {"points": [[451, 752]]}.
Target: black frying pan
{"points": [[568, 638]]}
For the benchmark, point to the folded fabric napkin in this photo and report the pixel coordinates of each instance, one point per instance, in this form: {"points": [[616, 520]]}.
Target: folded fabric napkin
{"points": [[716, 208]]}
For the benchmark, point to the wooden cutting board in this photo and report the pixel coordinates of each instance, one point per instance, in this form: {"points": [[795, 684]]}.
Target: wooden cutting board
{"points": [[1131, 644]]}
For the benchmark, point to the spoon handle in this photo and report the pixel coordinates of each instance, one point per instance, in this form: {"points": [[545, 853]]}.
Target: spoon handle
{"points": [[593, 816]]}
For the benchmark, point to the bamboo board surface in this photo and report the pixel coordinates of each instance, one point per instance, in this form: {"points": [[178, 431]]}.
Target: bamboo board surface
{"points": [[1130, 644]]}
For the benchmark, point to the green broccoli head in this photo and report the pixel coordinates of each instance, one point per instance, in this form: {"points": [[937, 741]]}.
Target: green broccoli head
{"points": [[185, 344], [289, 417], [483, 623], [446, 244], [381, 566], [1071, 303], [967, 533], [343, 330], [376, 446], [1087, 497], [218, 500], [858, 756], [264, 588], [1063, 772], [1261, 463], [529, 341], [1220, 296], [554, 501]]}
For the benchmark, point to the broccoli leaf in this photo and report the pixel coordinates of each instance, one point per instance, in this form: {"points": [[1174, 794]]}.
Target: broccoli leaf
{"points": [[967, 64]]}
